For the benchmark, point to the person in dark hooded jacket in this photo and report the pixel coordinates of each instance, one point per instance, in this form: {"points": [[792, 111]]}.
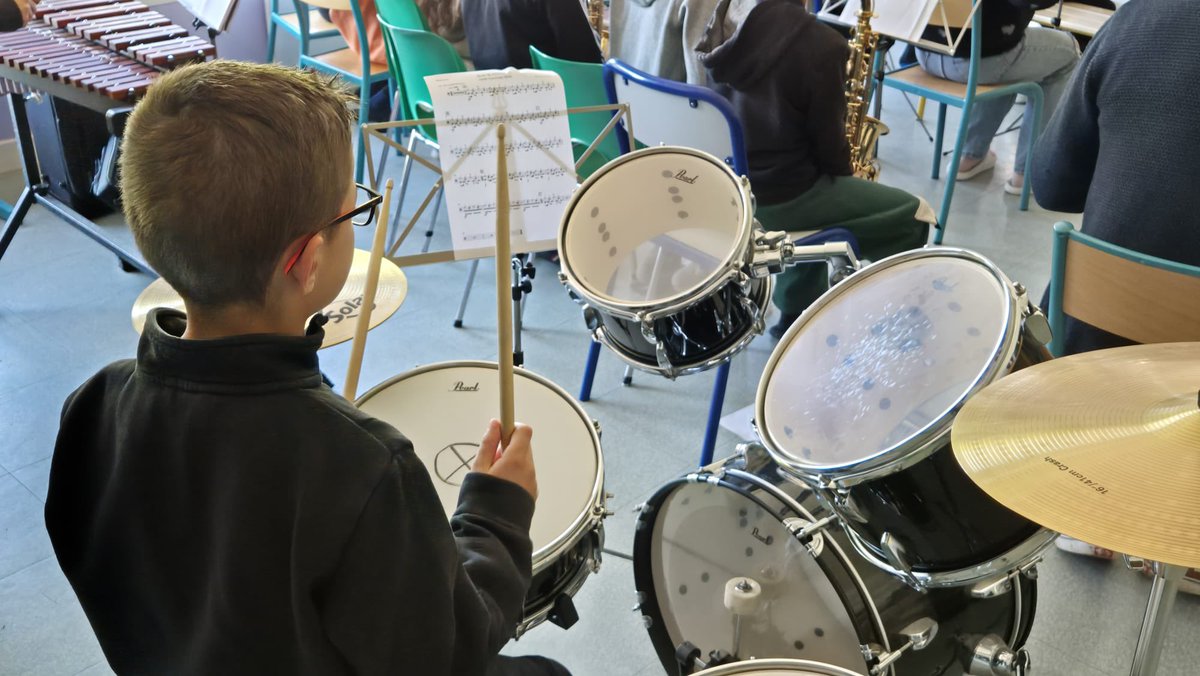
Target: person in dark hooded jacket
{"points": [[784, 74]]}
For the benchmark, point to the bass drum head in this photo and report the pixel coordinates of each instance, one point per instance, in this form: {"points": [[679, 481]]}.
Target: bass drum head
{"points": [[444, 410], [705, 535], [653, 226], [882, 360], [776, 668]]}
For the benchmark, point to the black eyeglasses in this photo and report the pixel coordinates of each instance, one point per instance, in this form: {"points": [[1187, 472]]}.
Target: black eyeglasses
{"points": [[364, 214]]}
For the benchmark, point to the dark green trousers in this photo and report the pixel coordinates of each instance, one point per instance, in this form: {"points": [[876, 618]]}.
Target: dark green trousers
{"points": [[882, 218]]}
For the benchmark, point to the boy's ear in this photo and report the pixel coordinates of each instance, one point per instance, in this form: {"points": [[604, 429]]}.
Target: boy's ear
{"points": [[307, 267]]}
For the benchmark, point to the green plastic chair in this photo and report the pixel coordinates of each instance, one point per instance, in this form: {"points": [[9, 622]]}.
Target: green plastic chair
{"points": [[402, 14], [584, 84], [1142, 298], [414, 55], [356, 69], [289, 22]]}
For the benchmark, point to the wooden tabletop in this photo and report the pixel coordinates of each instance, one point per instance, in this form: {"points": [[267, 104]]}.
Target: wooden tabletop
{"points": [[1076, 18]]}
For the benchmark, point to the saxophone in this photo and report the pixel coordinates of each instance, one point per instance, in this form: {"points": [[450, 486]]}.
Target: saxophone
{"points": [[595, 10], [862, 130]]}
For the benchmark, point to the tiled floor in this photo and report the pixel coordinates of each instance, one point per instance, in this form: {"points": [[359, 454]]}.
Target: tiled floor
{"points": [[64, 312]]}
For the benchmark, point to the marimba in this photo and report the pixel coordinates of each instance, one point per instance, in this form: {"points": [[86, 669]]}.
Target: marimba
{"points": [[100, 54]]}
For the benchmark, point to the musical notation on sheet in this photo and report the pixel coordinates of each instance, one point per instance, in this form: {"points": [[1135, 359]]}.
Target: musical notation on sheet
{"points": [[541, 171]]}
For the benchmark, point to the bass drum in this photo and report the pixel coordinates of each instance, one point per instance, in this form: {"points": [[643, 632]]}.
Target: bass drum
{"points": [[819, 600]]}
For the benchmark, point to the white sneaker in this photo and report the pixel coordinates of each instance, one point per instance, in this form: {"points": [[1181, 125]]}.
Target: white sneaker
{"points": [[986, 164]]}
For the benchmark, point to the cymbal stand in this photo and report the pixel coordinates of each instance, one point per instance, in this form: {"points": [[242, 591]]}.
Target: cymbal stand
{"points": [[523, 272], [1158, 612]]}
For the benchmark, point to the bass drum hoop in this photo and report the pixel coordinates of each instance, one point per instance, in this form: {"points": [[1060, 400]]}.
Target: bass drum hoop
{"points": [[600, 334], [643, 575], [752, 667], [926, 441], [590, 519], [738, 257]]}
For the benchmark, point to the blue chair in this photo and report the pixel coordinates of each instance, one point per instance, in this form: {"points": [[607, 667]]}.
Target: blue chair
{"points": [[318, 27], [914, 80], [674, 113], [1142, 298], [356, 69]]}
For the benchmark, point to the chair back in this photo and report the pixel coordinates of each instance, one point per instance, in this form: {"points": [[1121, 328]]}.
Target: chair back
{"points": [[402, 14], [675, 113], [584, 85], [418, 54], [1138, 297]]}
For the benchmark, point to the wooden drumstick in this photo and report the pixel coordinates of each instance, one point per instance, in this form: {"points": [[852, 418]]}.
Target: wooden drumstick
{"points": [[364, 314], [504, 322]]}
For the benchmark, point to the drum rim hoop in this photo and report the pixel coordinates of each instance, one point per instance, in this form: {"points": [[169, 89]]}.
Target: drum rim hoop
{"points": [[734, 262], [588, 520], [749, 667], [920, 445], [643, 569]]}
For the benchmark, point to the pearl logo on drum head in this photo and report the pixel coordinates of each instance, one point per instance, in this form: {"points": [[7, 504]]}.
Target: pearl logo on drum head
{"points": [[454, 461], [460, 386], [682, 176]]}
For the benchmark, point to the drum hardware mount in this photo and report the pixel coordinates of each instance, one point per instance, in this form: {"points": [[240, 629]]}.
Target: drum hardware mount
{"points": [[986, 589], [688, 657], [920, 633], [993, 657], [810, 533], [1035, 319]]}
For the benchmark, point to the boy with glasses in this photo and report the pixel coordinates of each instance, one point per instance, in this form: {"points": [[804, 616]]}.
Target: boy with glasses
{"points": [[216, 507]]}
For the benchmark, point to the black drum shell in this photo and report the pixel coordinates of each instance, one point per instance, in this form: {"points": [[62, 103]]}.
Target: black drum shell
{"points": [[941, 518], [703, 331], [962, 620]]}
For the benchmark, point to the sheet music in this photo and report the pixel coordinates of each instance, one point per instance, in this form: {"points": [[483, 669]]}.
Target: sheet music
{"points": [[541, 168], [215, 13], [904, 19]]}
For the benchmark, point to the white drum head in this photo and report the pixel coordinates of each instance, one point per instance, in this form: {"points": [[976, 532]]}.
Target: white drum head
{"points": [[705, 536], [652, 227], [444, 410], [883, 357], [776, 667]]}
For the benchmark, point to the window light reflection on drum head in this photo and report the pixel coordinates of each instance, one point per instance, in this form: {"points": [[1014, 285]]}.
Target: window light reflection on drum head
{"points": [[654, 227]]}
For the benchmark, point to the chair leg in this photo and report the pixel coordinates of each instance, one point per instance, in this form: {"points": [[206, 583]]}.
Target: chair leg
{"points": [[1037, 99], [271, 29], [462, 304], [384, 155], [937, 141], [627, 379], [437, 202], [589, 371], [364, 104], [952, 171], [714, 415]]}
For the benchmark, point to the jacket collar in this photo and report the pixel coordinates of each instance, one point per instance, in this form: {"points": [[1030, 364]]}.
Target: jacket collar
{"points": [[256, 362]]}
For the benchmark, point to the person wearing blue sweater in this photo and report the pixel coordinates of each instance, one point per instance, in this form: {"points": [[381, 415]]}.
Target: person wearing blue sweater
{"points": [[1122, 146]]}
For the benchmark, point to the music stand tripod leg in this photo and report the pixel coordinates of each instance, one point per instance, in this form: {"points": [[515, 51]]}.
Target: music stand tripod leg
{"points": [[15, 218], [1158, 613]]}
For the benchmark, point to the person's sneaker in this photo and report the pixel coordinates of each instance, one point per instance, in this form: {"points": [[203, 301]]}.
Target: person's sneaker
{"points": [[1014, 184], [986, 164], [785, 322], [1073, 546]]}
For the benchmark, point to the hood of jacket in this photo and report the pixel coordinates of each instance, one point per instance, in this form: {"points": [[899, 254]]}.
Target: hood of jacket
{"points": [[744, 39]]}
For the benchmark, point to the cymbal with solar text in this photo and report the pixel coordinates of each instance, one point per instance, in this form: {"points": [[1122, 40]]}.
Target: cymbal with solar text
{"points": [[389, 296], [1102, 446]]}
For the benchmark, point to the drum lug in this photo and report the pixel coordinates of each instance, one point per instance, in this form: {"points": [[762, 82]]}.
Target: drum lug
{"points": [[810, 533], [993, 657], [919, 633], [664, 361], [898, 559], [1035, 320], [596, 426], [848, 506]]}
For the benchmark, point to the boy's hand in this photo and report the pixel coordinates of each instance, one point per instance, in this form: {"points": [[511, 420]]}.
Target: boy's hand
{"points": [[513, 463]]}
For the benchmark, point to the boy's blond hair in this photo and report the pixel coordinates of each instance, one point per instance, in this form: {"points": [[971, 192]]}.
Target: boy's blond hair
{"points": [[224, 164]]}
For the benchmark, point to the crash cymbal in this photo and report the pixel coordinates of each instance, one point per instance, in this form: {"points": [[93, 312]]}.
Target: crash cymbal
{"points": [[1102, 446], [393, 287]]}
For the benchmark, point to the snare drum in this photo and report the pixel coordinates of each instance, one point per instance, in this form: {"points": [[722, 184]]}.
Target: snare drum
{"points": [[818, 600], [859, 396], [444, 410], [658, 246]]}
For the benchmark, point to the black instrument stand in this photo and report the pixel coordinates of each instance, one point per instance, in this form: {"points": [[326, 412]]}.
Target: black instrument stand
{"points": [[523, 273], [37, 189]]}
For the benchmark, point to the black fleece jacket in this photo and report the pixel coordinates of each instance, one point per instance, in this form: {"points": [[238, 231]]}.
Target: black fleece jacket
{"points": [[219, 510], [784, 73], [500, 32]]}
